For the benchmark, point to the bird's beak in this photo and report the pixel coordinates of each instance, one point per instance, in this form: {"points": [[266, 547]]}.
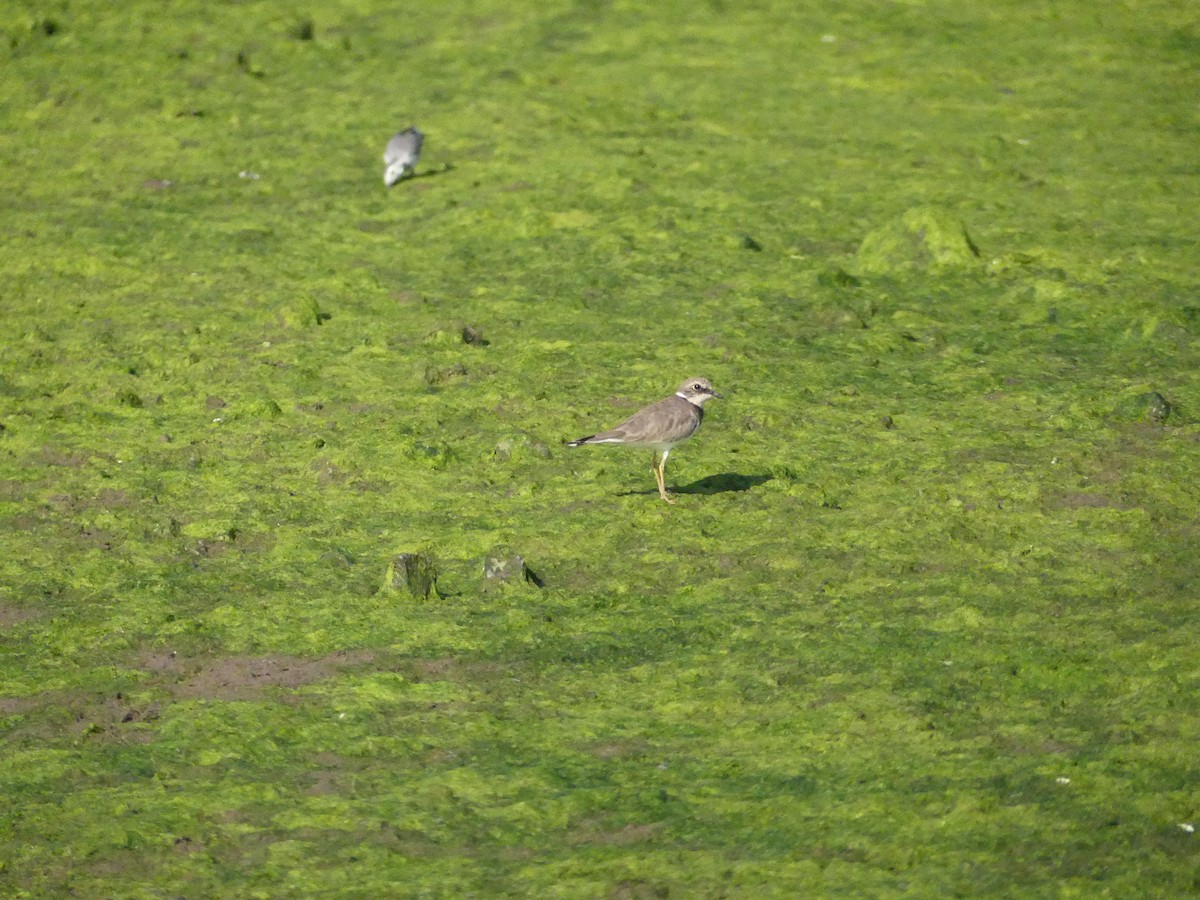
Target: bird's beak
{"points": [[718, 396]]}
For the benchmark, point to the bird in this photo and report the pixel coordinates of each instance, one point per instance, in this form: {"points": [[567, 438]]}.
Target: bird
{"points": [[402, 153], [660, 426]]}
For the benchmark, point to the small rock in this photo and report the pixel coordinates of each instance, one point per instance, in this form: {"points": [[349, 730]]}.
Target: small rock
{"points": [[504, 566], [413, 572], [1148, 407], [302, 312], [1157, 409], [473, 336]]}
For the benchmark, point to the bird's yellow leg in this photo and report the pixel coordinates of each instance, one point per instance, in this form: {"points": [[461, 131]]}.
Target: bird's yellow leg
{"points": [[660, 463]]}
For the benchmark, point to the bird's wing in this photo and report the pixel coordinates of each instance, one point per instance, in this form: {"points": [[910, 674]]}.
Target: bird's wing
{"points": [[403, 146], [672, 416]]}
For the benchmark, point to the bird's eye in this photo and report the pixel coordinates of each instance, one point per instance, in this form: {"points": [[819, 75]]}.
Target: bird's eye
{"points": [[697, 386]]}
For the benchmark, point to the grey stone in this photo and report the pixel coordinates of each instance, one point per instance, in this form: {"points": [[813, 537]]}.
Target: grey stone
{"points": [[1148, 407], [504, 566]]}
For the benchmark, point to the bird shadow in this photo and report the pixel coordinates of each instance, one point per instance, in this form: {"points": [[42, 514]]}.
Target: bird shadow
{"points": [[725, 483], [443, 169]]}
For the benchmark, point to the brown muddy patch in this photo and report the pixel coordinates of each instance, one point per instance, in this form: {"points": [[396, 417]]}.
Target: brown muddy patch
{"points": [[171, 677], [241, 541], [109, 715], [54, 715], [112, 498], [327, 473], [107, 498], [182, 678], [188, 845], [247, 677], [11, 489], [325, 784], [53, 456], [637, 890], [250, 677], [12, 706], [14, 615], [1082, 500], [1022, 745], [591, 831]]}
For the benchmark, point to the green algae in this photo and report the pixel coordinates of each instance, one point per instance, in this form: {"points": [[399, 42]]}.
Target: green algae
{"points": [[921, 239], [921, 621]]}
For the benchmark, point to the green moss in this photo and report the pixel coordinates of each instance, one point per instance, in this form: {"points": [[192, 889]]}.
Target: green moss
{"points": [[921, 239], [921, 620]]}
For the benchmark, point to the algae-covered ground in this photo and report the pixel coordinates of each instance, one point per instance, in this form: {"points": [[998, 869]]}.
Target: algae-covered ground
{"points": [[923, 620]]}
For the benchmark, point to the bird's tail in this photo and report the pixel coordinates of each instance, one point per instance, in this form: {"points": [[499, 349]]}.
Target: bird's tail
{"points": [[580, 442]]}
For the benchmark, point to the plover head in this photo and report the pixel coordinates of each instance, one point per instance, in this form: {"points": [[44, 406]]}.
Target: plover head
{"points": [[697, 391]]}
